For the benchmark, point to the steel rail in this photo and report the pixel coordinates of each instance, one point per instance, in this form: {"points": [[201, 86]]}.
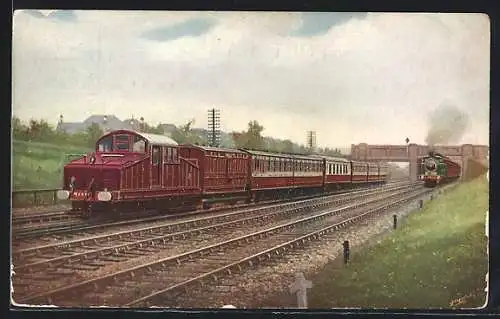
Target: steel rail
{"points": [[277, 250], [197, 221], [257, 216], [178, 259]]}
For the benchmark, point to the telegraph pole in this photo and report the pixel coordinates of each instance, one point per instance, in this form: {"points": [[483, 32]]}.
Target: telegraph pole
{"points": [[311, 140], [214, 127]]}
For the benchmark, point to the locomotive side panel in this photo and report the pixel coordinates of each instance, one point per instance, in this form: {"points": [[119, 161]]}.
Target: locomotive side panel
{"points": [[135, 176], [180, 173]]}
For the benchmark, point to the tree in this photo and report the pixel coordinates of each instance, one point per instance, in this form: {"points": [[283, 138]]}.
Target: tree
{"points": [[40, 131], [94, 131], [184, 135], [19, 130], [287, 146], [252, 138]]}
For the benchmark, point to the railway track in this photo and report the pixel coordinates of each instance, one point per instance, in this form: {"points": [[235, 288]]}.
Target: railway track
{"points": [[34, 257], [92, 256], [55, 229], [29, 218]]}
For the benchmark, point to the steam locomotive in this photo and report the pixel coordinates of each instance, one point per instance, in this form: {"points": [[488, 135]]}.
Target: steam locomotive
{"points": [[436, 169]]}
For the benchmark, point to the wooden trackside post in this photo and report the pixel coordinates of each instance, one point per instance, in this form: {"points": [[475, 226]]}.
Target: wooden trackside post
{"points": [[300, 287], [346, 251]]}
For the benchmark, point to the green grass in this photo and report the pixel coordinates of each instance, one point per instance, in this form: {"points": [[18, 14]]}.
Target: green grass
{"points": [[39, 165], [437, 257]]}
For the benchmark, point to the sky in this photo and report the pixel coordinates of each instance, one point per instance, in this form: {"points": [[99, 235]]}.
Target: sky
{"points": [[351, 77]]}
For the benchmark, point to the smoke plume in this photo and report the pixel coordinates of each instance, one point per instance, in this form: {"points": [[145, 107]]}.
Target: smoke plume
{"points": [[447, 125]]}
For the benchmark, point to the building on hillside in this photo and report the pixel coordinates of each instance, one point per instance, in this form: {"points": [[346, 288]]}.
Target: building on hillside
{"points": [[106, 123]]}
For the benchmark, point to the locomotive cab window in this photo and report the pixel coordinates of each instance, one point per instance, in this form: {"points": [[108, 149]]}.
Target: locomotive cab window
{"points": [[156, 155], [121, 142], [139, 144], [105, 145]]}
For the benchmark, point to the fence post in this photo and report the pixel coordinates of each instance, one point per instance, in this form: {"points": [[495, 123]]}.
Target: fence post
{"points": [[346, 251], [421, 203], [395, 221], [300, 287]]}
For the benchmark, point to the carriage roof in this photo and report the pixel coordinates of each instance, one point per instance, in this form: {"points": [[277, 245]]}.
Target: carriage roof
{"points": [[155, 139], [215, 149]]}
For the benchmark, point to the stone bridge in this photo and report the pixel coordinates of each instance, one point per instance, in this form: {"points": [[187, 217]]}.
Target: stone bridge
{"points": [[410, 153]]}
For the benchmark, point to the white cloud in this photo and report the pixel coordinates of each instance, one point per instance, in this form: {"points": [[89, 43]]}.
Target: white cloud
{"points": [[366, 80]]}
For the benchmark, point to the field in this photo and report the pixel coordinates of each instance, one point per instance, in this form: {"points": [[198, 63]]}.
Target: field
{"points": [[437, 259], [39, 165]]}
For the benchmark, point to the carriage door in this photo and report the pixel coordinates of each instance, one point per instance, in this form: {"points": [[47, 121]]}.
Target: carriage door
{"points": [[156, 159]]}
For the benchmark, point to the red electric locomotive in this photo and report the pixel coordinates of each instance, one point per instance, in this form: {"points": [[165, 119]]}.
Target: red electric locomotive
{"points": [[131, 170]]}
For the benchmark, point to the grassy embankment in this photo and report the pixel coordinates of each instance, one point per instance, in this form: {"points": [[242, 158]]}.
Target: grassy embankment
{"points": [[437, 259], [39, 165]]}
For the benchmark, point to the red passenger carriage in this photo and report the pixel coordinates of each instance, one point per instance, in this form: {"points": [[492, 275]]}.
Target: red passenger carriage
{"points": [[359, 172], [337, 172], [373, 172], [131, 170]]}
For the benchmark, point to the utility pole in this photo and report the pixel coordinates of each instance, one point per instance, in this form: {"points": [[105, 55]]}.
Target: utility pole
{"points": [[214, 127], [311, 140]]}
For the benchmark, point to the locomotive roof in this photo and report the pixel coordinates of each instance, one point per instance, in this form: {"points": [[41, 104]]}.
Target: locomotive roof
{"points": [[155, 139]]}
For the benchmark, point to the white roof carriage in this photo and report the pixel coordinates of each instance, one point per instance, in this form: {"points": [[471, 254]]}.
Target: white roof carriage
{"points": [[157, 139]]}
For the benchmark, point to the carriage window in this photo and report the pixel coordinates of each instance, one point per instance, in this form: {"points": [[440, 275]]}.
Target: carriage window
{"points": [[156, 155], [174, 154], [169, 154], [105, 144], [139, 144]]}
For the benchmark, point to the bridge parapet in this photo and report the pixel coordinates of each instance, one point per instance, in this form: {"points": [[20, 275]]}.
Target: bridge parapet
{"points": [[410, 153]]}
